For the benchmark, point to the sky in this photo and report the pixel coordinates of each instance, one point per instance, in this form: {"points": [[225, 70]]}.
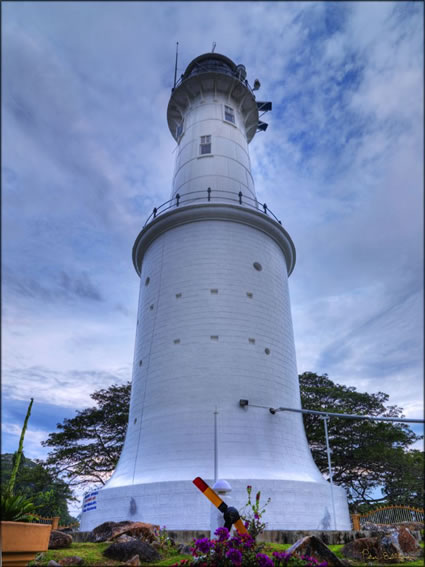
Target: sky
{"points": [[87, 154]]}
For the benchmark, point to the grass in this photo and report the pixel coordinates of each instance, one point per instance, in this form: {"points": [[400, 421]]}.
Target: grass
{"points": [[92, 555]]}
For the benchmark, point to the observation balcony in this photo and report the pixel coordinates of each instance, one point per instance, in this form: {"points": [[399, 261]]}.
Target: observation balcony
{"points": [[216, 205], [210, 196]]}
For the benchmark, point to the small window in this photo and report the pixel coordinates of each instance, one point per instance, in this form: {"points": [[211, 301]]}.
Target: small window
{"points": [[205, 147], [229, 114], [179, 130]]}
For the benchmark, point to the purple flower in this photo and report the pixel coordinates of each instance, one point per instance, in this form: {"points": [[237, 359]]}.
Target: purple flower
{"points": [[256, 516], [235, 556], [222, 533], [281, 555], [204, 545], [264, 560]]}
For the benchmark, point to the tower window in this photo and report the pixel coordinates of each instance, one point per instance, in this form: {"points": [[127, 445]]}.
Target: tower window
{"points": [[229, 114], [205, 146]]}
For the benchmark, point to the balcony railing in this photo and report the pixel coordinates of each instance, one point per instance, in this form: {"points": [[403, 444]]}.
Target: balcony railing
{"points": [[210, 196], [214, 66]]}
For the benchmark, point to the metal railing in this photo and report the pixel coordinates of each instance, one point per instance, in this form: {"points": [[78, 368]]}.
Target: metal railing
{"points": [[53, 520], [210, 196], [388, 515]]}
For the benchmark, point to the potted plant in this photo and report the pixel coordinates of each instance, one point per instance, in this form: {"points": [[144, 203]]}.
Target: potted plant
{"points": [[21, 538]]}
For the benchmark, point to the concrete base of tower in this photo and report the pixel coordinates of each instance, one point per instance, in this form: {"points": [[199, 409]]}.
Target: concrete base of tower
{"points": [[179, 505]]}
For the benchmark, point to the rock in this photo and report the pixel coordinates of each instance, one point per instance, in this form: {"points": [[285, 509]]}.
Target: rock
{"points": [[314, 547], [369, 549], [71, 561], [135, 561], [184, 549], [109, 531], [105, 531], [140, 530], [127, 550], [53, 563], [59, 540], [123, 538], [408, 544]]}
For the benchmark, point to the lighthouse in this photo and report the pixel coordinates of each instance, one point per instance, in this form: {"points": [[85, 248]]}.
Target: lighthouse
{"points": [[213, 328]]}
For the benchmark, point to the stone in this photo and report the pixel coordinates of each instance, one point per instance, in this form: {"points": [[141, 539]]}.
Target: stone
{"points": [[135, 561], [407, 542], [59, 540], [140, 530], [127, 550], [312, 546], [124, 538], [370, 549], [72, 561], [109, 531], [184, 549], [53, 563]]}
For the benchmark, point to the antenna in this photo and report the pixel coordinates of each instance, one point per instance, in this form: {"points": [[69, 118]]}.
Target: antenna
{"points": [[175, 69], [213, 47]]}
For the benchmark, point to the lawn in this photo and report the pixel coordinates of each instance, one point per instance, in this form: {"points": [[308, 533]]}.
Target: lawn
{"points": [[92, 555]]}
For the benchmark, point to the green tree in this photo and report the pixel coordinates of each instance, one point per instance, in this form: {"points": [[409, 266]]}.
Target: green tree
{"points": [[404, 482], [87, 447], [365, 454], [48, 493]]}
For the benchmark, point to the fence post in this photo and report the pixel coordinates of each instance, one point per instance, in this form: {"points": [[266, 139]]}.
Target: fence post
{"points": [[177, 199], [355, 518], [55, 522], [209, 193]]}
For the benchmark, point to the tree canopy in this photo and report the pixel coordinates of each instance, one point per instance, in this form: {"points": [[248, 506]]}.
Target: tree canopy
{"points": [[86, 448], [48, 493], [365, 454]]}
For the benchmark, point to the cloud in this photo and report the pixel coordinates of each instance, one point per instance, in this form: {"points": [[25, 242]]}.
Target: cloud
{"points": [[68, 389], [87, 155]]}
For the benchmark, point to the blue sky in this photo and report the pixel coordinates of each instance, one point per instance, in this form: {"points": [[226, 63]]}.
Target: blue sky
{"points": [[87, 154]]}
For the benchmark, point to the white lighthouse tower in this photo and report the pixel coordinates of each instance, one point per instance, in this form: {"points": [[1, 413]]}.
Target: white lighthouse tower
{"points": [[214, 327]]}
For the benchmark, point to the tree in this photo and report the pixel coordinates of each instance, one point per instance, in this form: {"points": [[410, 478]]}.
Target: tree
{"points": [[34, 481], [366, 455], [404, 482], [87, 447]]}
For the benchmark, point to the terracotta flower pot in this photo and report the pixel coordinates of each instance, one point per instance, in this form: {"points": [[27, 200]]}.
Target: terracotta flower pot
{"points": [[21, 541]]}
